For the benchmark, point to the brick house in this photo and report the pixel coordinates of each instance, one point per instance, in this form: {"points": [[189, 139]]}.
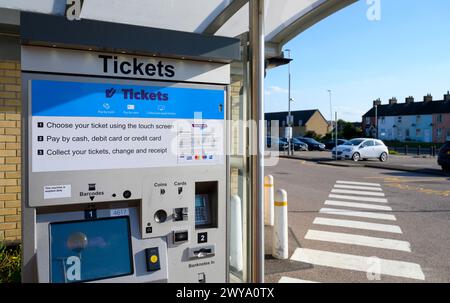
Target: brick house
{"points": [[303, 121], [426, 121]]}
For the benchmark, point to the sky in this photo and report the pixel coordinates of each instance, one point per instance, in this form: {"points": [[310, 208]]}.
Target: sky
{"points": [[401, 50]]}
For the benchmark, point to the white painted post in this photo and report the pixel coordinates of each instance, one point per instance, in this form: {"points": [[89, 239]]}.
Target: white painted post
{"points": [[268, 200], [280, 228], [236, 233]]}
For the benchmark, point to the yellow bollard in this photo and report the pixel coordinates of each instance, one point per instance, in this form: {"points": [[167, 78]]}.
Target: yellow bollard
{"points": [[268, 200], [280, 228]]}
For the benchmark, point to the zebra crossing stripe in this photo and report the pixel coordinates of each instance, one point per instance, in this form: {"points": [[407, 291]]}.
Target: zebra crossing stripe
{"points": [[359, 263], [357, 205], [363, 199], [357, 183], [352, 213], [358, 187], [358, 240], [357, 192], [358, 225]]}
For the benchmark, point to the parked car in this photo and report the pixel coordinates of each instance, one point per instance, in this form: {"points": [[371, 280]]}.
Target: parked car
{"points": [[444, 157], [312, 144], [275, 142], [297, 144], [332, 143], [362, 149]]}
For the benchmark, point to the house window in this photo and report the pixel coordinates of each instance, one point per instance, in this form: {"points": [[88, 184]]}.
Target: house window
{"points": [[439, 118], [382, 120], [418, 132], [300, 122], [417, 119], [406, 132], [367, 120], [399, 119], [439, 133]]}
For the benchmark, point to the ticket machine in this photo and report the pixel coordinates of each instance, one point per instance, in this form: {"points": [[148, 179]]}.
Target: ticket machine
{"points": [[126, 167]]}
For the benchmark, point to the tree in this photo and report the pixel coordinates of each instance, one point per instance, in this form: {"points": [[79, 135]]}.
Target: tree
{"points": [[347, 130], [312, 134]]}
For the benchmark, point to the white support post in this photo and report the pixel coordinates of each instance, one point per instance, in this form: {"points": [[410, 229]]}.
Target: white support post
{"points": [[268, 200], [236, 233], [280, 228]]}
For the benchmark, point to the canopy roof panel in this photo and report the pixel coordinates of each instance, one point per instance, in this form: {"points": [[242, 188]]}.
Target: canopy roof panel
{"points": [[284, 18], [278, 15]]}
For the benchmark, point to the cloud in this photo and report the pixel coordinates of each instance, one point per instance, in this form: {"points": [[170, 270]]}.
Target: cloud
{"points": [[276, 90]]}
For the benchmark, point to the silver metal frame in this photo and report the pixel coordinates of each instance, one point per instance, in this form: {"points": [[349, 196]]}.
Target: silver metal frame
{"points": [[224, 16], [256, 14]]}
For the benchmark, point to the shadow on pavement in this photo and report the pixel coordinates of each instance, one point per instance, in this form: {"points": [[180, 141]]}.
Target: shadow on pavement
{"points": [[275, 266]]}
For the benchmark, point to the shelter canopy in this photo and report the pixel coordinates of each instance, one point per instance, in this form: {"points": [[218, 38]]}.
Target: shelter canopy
{"points": [[284, 19]]}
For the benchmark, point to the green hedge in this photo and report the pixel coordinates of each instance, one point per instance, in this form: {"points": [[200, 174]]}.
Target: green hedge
{"points": [[10, 263]]}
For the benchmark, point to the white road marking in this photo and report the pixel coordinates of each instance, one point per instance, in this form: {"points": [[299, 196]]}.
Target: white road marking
{"points": [[357, 205], [357, 192], [365, 199], [358, 187], [351, 213], [293, 280], [358, 183], [358, 240], [359, 225], [359, 263]]}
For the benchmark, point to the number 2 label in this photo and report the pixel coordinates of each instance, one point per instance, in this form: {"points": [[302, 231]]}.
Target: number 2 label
{"points": [[202, 237]]}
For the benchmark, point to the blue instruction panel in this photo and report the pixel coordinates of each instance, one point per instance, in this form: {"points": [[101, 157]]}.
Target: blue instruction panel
{"points": [[91, 126]]}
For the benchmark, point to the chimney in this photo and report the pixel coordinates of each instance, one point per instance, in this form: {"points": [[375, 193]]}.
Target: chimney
{"points": [[409, 99], [377, 102], [428, 98], [393, 101], [447, 96]]}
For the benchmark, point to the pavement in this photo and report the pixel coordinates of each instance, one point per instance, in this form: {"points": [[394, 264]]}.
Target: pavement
{"points": [[363, 225], [422, 164]]}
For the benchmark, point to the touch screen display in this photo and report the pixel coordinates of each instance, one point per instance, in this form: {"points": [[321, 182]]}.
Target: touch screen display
{"points": [[90, 250]]}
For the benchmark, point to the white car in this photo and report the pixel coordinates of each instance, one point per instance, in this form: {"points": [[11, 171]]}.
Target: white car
{"points": [[361, 149]]}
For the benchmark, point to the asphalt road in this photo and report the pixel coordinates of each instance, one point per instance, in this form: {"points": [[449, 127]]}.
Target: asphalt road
{"points": [[393, 229]]}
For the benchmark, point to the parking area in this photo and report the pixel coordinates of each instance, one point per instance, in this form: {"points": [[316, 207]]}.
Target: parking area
{"points": [[398, 161]]}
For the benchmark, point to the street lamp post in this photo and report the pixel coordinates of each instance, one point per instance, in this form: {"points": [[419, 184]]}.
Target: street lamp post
{"points": [[336, 142], [289, 119], [331, 118]]}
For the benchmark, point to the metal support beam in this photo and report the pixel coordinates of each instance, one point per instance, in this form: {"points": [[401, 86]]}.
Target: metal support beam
{"points": [[256, 21], [307, 20], [224, 16]]}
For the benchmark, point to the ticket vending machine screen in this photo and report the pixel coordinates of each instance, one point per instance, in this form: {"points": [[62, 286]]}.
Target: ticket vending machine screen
{"points": [[90, 250]]}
